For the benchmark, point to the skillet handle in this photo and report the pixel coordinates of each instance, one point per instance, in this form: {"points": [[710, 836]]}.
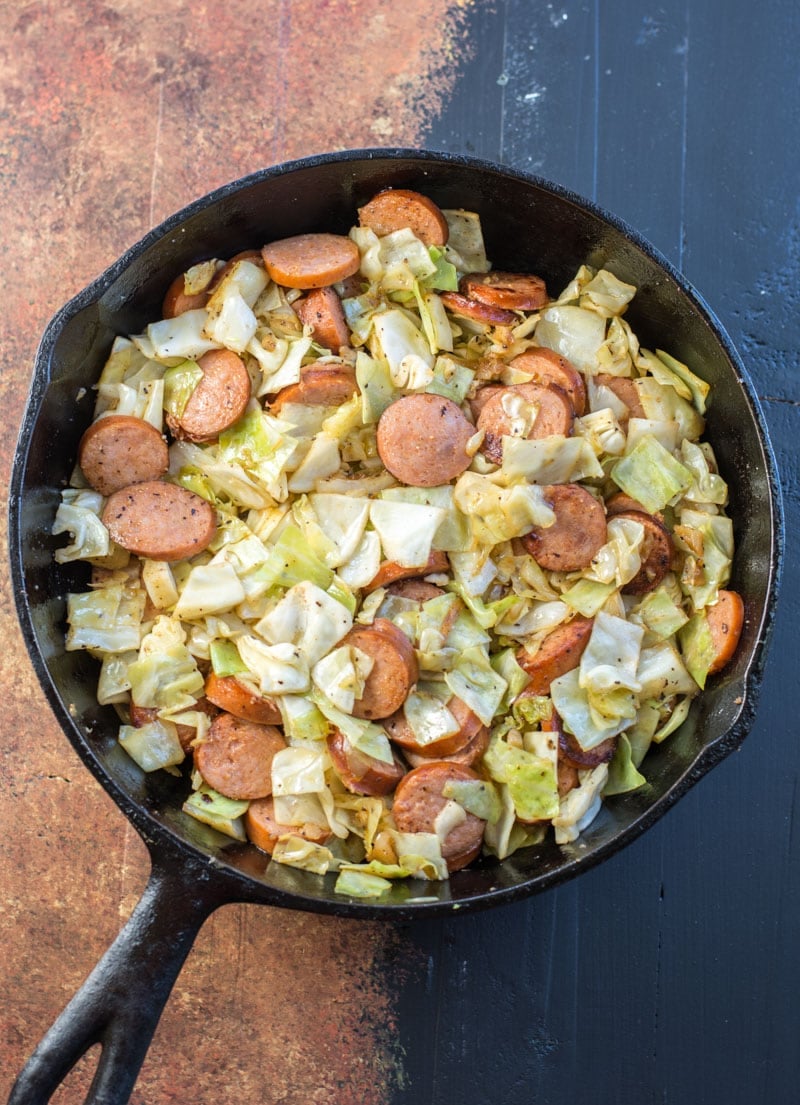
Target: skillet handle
{"points": [[121, 1002]]}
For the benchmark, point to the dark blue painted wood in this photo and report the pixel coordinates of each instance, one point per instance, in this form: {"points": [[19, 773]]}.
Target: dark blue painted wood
{"points": [[671, 973]]}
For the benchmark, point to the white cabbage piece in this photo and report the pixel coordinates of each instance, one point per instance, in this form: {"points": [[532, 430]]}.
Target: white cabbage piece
{"points": [[209, 589], [707, 485], [341, 675], [549, 460], [498, 513], [465, 247], [375, 385], [231, 322], [661, 673], [307, 618], [428, 717], [321, 460], [343, 520], [108, 619], [403, 259], [665, 432], [662, 402], [159, 582], [606, 294], [574, 333], [279, 668], [183, 336], [453, 532], [406, 530], [475, 682], [651, 475], [601, 429], [299, 770], [114, 684], [404, 347], [153, 746], [279, 359], [363, 565], [305, 855], [435, 323], [580, 806], [79, 515], [572, 703], [619, 559]]}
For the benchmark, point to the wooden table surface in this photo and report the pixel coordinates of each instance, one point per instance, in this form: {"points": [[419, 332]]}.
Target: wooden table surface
{"points": [[670, 973]]}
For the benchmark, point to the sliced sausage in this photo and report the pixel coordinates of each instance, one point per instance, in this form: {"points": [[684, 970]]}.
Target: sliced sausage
{"points": [[554, 416], [513, 291], [119, 450], [322, 310], [469, 755], [570, 751], [236, 756], [265, 831], [469, 723], [177, 300], [548, 367], [620, 503], [394, 669], [418, 801], [160, 521], [141, 715], [319, 387], [567, 775], [655, 553], [360, 773], [235, 697], [422, 440], [482, 397], [311, 260], [725, 621], [560, 652], [577, 535], [415, 590], [625, 390], [397, 208], [219, 400], [390, 571], [479, 312]]}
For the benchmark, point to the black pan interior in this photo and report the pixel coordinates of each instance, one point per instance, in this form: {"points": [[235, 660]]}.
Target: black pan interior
{"points": [[529, 225]]}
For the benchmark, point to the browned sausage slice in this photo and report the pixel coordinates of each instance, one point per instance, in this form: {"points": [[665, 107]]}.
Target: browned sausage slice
{"points": [[401, 732], [554, 416], [394, 669], [119, 450], [577, 535], [398, 208], [236, 698], [725, 621], [176, 299], [620, 503], [482, 397], [415, 590], [548, 367], [360, 773], [567, 775], [235, 758], [160, 521], [141, 715], [390, 570], [322, 310], [655, 553], [570, 751], [219, 400], [513, 291], [560, 652], [480, 312], [625, 390], [318, 387], [418, 801], [422, 440], [265, 831], [470, 754], [311, 260]]}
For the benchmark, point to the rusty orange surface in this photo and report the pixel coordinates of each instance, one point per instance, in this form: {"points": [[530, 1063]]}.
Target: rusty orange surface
{"points": [[113, 116]]}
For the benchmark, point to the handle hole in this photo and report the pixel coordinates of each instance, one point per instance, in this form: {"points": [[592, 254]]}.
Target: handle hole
{"points": [[75, 1084]]}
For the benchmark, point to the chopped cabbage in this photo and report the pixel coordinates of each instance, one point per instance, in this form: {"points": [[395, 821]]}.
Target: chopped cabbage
{"points": [[79, 515], [651, 475], [406, 530], [574, 333], [307, 618], [153, 745]]}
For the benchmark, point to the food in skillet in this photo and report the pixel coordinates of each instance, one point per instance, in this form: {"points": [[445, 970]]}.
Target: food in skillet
{"points": [[407, 559]]}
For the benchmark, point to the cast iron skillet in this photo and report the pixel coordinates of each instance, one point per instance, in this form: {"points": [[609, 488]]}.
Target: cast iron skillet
{"points": [[529, 225]]}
